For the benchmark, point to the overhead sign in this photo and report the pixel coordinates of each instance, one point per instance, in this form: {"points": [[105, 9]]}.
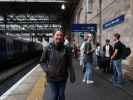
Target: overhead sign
{"points": [[114, 22], [92, 28]]}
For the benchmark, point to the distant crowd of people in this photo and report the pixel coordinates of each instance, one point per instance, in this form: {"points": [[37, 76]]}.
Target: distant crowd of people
{"points": [[56, 61]]}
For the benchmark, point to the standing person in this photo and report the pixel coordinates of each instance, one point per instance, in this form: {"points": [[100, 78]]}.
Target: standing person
{"points": [[67, 40], [98, 55], [117, 61], [67, 43], [107, 52], [75, 50], [56, 61], [82, 47], [82, 55], [88, 60]]}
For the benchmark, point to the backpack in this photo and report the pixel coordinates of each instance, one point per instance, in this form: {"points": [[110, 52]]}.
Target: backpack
{"points": [[87, 48], [125, 52]]}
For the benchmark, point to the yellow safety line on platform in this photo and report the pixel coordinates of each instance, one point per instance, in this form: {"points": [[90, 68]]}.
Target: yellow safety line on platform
{"points": [[38, 90]]}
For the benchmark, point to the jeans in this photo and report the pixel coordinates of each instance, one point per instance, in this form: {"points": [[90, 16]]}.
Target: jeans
{"points": [[117, 72], [55, 91], [99, 61], [81, 60], [88, 71]]}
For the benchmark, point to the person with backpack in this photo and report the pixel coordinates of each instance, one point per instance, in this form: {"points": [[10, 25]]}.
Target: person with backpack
{"points": [[88, 61], [56, 61], [117, 61]]}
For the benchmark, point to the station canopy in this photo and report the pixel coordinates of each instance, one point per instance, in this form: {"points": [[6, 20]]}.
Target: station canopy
{"points": [[35, 16]]}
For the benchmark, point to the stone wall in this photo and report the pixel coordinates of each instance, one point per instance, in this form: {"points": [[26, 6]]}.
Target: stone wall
{"points": [[112, 9]]}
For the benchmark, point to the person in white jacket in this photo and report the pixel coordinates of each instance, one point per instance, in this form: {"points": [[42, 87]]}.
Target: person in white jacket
{"points": [[82, 53]]}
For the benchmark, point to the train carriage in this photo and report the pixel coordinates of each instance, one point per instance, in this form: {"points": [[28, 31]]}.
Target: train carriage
{"points": [[13, 51]]}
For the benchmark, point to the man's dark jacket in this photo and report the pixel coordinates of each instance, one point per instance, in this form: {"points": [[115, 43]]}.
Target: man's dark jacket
{"points": [[57, 63], [111, 50]]}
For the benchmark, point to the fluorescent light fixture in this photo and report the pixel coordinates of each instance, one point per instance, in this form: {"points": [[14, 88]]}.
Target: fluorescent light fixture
{"points": [[63, 7], [7, 33], [23, 28], [35, 0]]}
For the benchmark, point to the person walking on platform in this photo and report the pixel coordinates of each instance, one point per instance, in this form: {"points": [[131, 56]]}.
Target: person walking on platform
{"points": [[67, 40], [107, 53], [82, 56], [67, 43], [88, 60], [56, 61], [117, 61], [98, 56]]}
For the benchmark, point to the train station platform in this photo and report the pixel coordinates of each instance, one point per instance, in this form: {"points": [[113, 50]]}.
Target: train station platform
{"points": [[102, 89], [30, 87], [33, 85]]}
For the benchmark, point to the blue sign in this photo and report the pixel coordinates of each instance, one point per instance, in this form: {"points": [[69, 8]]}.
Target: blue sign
{"points": [[92, 28], [114, 22]]}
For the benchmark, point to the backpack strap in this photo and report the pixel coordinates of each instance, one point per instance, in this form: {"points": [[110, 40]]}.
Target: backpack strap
{"points": [[50, 46], [88, 47], [67, 50], [49, 50]]}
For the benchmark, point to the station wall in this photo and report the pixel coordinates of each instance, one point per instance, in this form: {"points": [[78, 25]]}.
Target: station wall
{"points": [[111, 9]]}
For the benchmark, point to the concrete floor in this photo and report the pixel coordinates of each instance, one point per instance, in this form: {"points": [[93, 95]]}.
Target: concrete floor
{"points": [[102, 89]]}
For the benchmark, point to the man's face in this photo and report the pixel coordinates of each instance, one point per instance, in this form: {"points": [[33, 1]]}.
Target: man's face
{"points": [[114, 38], [58, 37], [89, 36], [107, 42]]}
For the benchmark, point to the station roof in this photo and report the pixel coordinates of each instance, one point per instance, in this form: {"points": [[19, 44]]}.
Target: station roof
{"points": [[34, 16], [37, 6]]}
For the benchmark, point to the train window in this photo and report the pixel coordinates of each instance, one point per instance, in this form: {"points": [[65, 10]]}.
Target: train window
{"points": [[2, 46], [9, 44]]}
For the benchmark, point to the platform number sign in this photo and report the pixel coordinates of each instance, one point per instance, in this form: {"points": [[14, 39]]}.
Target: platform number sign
{"points": [[92, 28]]}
